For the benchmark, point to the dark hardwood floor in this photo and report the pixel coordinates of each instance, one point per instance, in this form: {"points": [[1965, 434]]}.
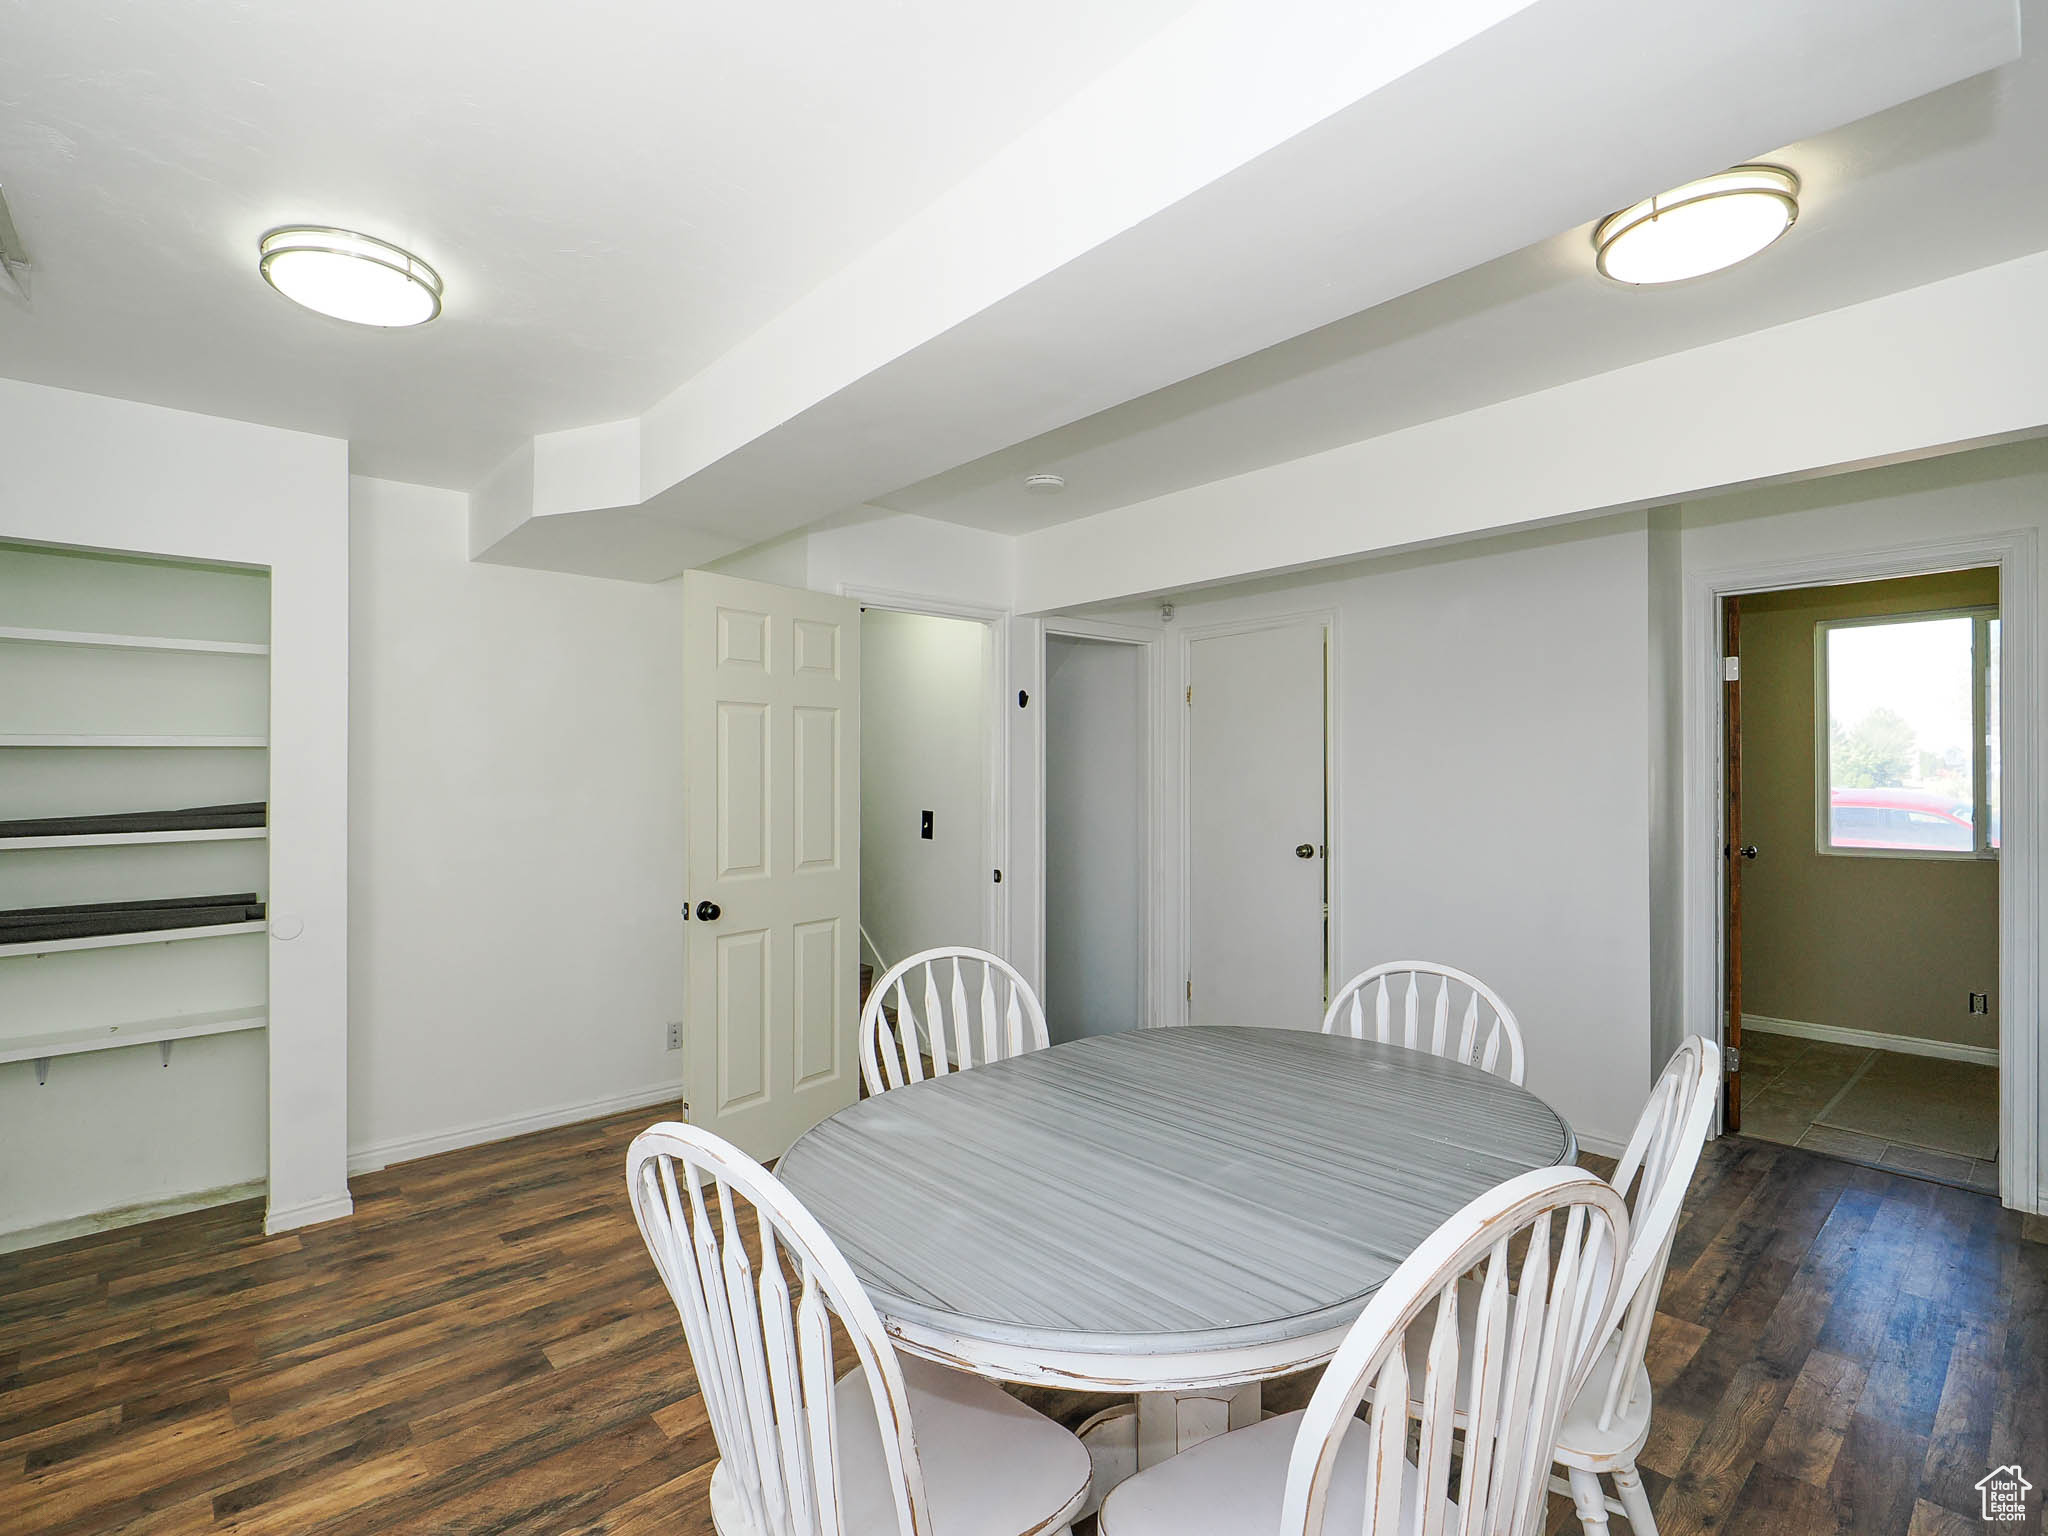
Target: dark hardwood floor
{"points": [[484, 1349]]}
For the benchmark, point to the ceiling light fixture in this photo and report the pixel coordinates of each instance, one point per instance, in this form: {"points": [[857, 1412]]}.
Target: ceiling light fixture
{"points": [[350, 276], [1698, 228], [1045, 485]]}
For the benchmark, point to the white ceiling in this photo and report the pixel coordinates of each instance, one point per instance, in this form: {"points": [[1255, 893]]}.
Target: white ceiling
{"points": [[1226, 186], [1950, 182], [778, 258], [615, 192]]}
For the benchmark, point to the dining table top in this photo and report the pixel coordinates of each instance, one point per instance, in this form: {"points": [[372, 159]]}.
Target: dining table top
{"points": [[1134, 1197]]}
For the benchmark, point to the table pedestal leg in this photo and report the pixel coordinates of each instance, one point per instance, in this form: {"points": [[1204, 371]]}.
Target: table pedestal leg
{"points": [[1172, 1422], [1124, 1440]]}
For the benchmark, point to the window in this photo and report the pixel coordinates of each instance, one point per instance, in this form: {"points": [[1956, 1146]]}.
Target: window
{"points": [[1907, 745]]}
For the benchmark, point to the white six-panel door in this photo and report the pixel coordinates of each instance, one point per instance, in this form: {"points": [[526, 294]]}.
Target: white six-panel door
{"points": [[1255, 799], [771, 770]]}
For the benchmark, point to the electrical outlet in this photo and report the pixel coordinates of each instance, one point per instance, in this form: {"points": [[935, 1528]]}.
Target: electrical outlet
{"points": [[1980, 1002], [675, 1036]]}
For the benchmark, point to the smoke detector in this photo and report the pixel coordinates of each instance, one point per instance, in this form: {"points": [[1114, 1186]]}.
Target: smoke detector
{"points": [[1045, 485]]}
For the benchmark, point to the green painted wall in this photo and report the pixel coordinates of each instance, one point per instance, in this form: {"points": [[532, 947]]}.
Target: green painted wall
{"points": [[1894, 945]]}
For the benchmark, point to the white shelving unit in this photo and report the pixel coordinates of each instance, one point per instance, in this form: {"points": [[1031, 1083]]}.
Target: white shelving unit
{"points": [[107, 642], [125, 940], [72, 739], [132, 686], [113, 1037], [133, 839]]}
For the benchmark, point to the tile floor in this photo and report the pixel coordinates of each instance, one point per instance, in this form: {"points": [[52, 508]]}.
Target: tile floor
{"points": [[1942, 1115]]}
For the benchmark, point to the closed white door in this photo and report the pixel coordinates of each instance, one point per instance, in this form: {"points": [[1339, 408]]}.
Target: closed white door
{"points": [[1095, 843], [771, 771], [1256, 841]]}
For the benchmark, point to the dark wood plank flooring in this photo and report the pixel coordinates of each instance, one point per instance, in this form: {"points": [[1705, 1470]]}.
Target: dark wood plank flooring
{"points": [[484, 1349]]}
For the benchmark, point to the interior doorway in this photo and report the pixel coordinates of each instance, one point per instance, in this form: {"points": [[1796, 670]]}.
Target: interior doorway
{"points": [[771, 897], [1096, 835], [1257, 828], [1863, 837], [927, 774]]}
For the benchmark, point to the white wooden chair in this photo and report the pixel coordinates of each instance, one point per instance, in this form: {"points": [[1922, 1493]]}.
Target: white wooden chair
{"points": [[1485, 1035], [1605, 1428], [1007, 1021], [1324, 1468], [1607, 1423], [895, 1447]]}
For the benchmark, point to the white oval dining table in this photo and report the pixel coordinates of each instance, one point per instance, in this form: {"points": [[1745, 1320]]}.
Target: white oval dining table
{"points": [[1178, 1213]]}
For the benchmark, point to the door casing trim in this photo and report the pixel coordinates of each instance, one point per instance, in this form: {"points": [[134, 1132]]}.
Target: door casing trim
{"points": [[996, 801], [2014, 553], [1333, 693], [1156, 963]]}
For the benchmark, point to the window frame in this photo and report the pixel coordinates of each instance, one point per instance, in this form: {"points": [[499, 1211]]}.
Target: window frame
{"points": [[1982, 616]]}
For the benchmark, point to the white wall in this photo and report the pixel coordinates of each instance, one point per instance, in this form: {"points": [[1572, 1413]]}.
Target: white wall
{"points": [[1492, 786], [918, 561], [517, 845], [1095, 800], [785, 561], [913, 555], [87, 471], [924, 686], [1903, 376], [1512, 758], [1666, 635]]}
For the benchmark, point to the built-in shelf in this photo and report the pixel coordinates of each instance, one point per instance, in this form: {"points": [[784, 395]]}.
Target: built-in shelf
{"points": [[76, 740], [110, 1037], [125, 839], [117, 940], [103, 642]]}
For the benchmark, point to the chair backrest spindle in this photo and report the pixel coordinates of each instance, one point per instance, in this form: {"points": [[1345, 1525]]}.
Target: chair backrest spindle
{"points": [[1658, 1165], [1532, 1344], [763, 1355], [1005, 1018], [1485, 1035]]}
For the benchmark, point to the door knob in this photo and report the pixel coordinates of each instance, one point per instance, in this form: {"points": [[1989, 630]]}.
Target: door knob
{"points": [[707, 911], [1748, 850], [1304, 850]]}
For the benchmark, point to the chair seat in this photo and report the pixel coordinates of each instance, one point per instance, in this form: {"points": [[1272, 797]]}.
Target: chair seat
{"points": [[1233, 1486], [992, 1466], [1581, 1442]]}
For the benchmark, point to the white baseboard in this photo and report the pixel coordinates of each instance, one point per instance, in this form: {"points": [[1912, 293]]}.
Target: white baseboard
{"points": [[1871, 1040], [127, 1216], [403, 1149], [327, 1208], [1600, 1144], [365, 1159]]}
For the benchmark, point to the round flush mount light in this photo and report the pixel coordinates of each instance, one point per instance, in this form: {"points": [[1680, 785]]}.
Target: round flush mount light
{"points": [[1698, 228], [350, 276], [1045, 485]]}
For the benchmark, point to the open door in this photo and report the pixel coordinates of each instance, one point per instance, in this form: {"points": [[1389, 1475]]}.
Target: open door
{"points": [[1734, 853], [771, 772]]}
